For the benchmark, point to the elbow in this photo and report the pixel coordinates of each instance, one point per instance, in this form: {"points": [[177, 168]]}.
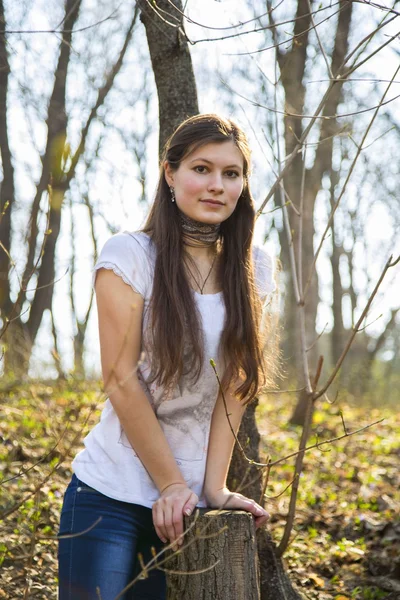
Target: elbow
{"points": [[120, 382]]}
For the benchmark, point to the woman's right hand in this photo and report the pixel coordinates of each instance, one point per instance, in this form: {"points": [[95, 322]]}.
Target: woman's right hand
{"points": [[175, 501]]}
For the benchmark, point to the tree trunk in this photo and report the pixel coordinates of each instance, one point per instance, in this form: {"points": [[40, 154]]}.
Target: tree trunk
{"points": [[79, 340], [223, 545], [53, 173], [292, 66], [247, 479], [371, 355], [274, 581], [172, 66], [300, 410], [338, 331], [7, 197], [7, 190], [313, 178]]}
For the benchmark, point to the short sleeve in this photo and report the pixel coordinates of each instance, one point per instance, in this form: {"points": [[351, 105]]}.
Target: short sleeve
{"points": [[263, 272], [126, 255]]}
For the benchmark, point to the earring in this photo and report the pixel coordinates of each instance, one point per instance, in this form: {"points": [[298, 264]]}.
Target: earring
{"points": [[172, 193]]}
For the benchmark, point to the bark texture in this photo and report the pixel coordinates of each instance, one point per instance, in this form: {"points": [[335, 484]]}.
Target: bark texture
{"points": [[172, 65], [223, 543]]}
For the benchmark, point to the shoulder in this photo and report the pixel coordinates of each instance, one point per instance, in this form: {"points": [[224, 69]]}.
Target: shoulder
{"points": [[132, 241], [141, 238], [129, 255], [264, 270]]}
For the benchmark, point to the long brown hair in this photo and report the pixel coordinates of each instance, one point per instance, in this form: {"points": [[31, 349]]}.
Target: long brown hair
{"points": [[174, 319]]}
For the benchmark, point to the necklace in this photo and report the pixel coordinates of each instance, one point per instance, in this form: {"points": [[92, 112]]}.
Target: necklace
{"points": [[201, 287]]}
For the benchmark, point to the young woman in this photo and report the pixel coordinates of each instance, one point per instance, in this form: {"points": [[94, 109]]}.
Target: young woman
{"points": [[187, 288]]}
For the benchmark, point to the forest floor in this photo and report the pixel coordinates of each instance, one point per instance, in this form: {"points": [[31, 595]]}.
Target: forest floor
{"points": [[346, 538]]}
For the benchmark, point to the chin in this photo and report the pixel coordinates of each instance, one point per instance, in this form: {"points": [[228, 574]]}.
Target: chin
{"points": [[210, 221], [207, 217]]}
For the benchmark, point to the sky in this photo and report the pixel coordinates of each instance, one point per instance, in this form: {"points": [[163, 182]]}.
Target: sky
{"points": [[115, 188]]}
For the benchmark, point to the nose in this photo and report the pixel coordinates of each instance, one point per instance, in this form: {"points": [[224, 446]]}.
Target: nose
{"points": [[215, 183]]}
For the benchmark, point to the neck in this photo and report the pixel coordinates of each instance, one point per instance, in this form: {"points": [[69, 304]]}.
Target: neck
{"points": [[201, 251]]}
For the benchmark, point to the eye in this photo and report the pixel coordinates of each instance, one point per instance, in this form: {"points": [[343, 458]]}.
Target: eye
{"points": [[232, 174], [200, 167]]}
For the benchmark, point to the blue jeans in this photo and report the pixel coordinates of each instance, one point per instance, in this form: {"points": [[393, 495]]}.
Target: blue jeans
{"points": [[105, 557]]}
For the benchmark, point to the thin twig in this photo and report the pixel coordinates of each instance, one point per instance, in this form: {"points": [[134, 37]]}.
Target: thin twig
{"points": [[317, 338], [319, 41], [61, 31], [285, 458], [311, 447], [264, 28], [284, 42], [214, 367], [315, 116]]}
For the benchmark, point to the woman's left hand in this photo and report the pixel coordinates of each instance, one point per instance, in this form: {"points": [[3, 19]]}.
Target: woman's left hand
{"points": [[225, 499]]}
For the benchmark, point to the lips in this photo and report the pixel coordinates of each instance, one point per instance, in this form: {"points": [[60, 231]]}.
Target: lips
{"points": [[210, 201]]}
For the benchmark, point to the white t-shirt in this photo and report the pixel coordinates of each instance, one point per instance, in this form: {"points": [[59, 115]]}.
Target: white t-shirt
{"points": [[108, 463]]}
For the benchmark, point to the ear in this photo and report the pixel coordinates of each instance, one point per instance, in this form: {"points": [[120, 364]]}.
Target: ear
{"points": [[168, 173]]}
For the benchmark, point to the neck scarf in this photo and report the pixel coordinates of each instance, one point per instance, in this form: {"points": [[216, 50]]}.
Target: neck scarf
{"points": [[207, 233]]}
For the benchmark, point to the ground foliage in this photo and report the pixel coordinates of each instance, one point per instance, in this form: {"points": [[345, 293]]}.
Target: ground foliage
{"points": [[346, 540]]}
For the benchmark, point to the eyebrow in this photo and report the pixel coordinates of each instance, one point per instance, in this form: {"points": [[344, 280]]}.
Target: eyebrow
{"points": [[210, 163]]}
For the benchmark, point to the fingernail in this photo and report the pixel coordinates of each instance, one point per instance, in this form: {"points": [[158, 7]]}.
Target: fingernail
{"points": [[188, 512]]}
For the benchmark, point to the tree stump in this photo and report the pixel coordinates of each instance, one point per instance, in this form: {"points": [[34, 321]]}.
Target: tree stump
{"points": [[218, 560]]}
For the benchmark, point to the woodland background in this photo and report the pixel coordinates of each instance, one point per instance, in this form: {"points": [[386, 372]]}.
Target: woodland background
{"points": [[89, 91]]}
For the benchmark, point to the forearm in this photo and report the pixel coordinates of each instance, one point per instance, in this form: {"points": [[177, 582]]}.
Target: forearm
{"points": [[221, 442], [144, 433]]}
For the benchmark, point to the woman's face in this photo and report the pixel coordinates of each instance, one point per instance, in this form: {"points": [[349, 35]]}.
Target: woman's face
{"points": [[208, 182]]}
